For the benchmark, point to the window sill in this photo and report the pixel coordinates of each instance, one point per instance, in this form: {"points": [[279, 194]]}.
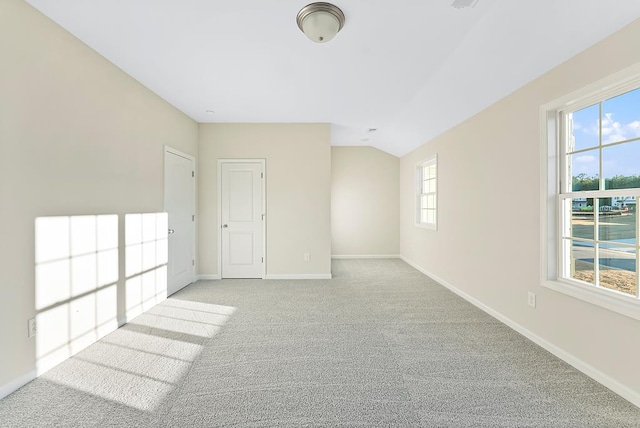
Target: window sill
{"points": [[431, 226], [627, 306]]}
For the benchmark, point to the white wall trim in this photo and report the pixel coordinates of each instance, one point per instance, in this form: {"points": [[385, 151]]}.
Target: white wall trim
{"points": [[617, 387], [608, 299], [212, 277], [17, 383], [365, 256], [298, 276], [127, 319]]}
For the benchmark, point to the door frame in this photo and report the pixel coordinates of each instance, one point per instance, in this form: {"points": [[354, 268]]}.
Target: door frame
{"points": [[263, 162], [171, 150]]}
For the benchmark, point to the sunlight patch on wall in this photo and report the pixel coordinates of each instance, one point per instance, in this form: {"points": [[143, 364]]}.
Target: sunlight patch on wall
{"points": [[76, 271], [146, 257]]}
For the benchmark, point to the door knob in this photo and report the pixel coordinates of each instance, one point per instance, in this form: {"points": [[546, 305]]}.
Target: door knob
{"points": [[171, 231], [224, 226]]}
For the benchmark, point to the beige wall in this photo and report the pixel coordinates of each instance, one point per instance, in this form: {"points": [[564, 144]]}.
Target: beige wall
{"points": [[488, 238], [364, 202], [298, 182], [77, 136]]}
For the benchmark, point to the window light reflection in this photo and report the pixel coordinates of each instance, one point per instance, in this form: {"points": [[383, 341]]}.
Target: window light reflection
{"points": [[76, 275], [140, 364], [146, 255]]}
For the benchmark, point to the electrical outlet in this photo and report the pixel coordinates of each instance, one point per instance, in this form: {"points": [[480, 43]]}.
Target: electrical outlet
{"points": [[531, 299], [306, 257], [33, 327]]}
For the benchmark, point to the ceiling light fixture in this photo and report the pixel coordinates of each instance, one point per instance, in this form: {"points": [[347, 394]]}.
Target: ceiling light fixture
{"points": [[320, 22], [460, 4]]}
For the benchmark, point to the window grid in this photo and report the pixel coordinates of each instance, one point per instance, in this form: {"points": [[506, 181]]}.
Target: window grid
{"points": [[614, 261], [426, 194]]}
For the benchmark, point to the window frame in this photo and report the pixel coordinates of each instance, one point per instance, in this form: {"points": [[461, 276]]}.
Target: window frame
{"points": [[419, 193], [552, 171]]}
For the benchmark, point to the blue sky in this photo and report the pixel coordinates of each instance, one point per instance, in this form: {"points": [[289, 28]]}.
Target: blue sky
{"points": [[620, 121]]}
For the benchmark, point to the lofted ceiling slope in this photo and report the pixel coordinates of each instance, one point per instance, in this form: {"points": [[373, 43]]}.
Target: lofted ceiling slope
{"points": [[410, 68]]}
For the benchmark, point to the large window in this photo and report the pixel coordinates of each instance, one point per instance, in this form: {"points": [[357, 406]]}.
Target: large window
{"points": [[593, 190], [426, 193]]}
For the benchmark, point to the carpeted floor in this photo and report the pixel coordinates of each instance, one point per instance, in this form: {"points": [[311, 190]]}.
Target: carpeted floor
{"points": [[379, 345]]}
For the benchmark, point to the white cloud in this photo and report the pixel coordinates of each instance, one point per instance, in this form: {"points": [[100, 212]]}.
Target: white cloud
{"points": [[613, 131], [585, 129], [585, 164], [585, 159]]}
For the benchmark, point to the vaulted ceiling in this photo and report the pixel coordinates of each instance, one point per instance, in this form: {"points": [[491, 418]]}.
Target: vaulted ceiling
{"points": [[409, 68]]}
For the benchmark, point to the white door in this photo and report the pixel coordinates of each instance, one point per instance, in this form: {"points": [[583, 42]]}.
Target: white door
{"points": [[179, 203], [242, 220]]}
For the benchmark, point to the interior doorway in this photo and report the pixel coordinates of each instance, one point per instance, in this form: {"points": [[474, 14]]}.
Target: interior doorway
{"points": [[241, 204], [179, 203]]}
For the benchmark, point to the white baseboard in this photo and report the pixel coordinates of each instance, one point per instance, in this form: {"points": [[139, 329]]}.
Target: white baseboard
{"points": [[617, 387], [273, 276], [366, 256], [298, 276], [208, 277], [17, 383]]}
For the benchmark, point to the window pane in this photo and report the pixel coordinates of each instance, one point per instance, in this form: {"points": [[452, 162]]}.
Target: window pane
{"points": [[432, 186], [431, 171], [584, 128], [621, 117], [584, 169], [618, 268], [616, 222], [431, 216], [621, 166], [626, 203], [428, 216], [582, 220], [582, 267], [431, 201], [424, 201]]}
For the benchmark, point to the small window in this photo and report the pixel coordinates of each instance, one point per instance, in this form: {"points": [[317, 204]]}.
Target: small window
{"points": [[427, 193]]}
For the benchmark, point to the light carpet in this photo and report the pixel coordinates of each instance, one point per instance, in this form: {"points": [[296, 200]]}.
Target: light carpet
{"points": [[378, 345]]}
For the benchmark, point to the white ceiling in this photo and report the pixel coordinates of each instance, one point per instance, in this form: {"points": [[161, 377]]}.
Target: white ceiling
{"points": [[410, 68]]}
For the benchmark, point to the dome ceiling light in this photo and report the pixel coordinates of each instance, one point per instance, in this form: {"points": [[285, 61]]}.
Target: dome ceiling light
{"points": [[459, 4], [320, 22]]}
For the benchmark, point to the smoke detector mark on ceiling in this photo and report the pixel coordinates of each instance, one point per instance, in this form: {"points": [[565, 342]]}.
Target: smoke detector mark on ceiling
{"points": [[459, 4]]}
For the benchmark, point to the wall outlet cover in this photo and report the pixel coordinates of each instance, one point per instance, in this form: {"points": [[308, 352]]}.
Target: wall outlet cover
{"points": [[32, 327], [531, 299]]}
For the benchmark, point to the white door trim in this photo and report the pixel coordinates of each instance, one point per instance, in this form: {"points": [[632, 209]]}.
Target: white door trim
{"points": [[168, 149], [264, 210]]}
